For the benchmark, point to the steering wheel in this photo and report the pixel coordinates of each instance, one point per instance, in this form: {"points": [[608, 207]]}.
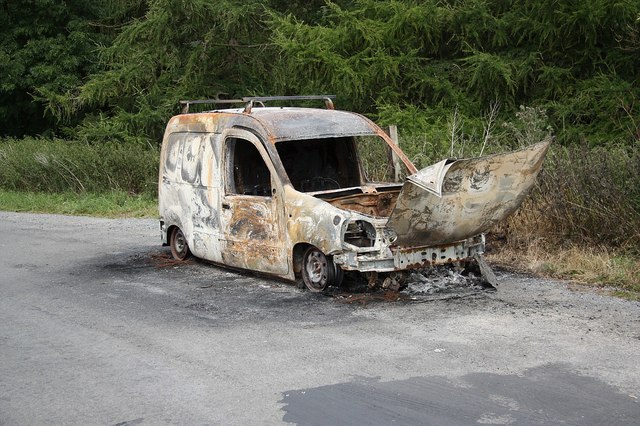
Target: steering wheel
{"points": [[319, 184]]}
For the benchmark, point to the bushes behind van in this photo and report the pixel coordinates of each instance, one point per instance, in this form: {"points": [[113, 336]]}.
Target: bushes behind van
{"points": [[54, 165]]}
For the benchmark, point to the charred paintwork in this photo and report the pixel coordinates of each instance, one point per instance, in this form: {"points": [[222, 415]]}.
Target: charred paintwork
{"points": [[464, 197], [223, 183], [370, 202]]}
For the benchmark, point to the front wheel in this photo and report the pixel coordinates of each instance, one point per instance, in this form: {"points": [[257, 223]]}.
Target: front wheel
{"points": [[179, 247], [319, 271]]}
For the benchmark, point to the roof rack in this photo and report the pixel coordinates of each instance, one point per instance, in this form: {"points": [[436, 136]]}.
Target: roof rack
{"points": [[328, 100], [249, 101], [185, 104]]}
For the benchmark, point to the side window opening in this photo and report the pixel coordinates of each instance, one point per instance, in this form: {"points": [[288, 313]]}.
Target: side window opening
{"points": [[320, 164], [192, 159], [247, 173], [171, 159]]}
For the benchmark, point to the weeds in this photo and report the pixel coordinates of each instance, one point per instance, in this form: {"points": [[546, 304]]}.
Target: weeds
{"points": [[599, 266], [54, 166], [586, 196], [582, 219]]}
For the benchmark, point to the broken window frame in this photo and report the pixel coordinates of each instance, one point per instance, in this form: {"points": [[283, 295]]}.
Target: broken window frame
{"points": [[191, 171], [230, 185], [330, 174]]}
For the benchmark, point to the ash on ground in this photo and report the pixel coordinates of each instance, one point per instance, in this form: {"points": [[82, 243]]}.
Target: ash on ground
{"points": [[444, 281]]}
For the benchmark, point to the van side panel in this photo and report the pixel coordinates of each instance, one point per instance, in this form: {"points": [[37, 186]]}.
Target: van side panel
{"points": [[199, 199], [188, 190], [168, 201]]}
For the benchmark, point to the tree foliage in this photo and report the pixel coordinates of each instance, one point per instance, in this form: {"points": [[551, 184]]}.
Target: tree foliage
{"points": [[116, 70], [176, 50], [44, 48], [570, 57]]}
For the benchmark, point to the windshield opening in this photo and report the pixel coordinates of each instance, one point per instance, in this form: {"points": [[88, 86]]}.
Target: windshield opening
{"points": [[320, 164]]}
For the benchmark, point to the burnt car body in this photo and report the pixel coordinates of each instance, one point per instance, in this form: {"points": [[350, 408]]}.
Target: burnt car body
{"points": [[283, 191]]}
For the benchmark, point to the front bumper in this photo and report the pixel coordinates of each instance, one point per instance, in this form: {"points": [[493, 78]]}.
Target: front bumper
{"points": [[401, 258]]}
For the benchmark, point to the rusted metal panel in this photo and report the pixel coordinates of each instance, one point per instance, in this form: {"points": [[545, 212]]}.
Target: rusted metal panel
{"points": [[313, 221], [252, 237], [379, 204], [389, 258], [252, 226], [473, 195], [285, 124]]}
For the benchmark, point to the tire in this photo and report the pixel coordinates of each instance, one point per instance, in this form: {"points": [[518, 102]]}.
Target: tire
{"points": [[319, 271], [179, 247]]}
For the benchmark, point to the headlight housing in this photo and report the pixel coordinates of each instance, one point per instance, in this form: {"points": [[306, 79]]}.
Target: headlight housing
{"points": [[360, 233]]}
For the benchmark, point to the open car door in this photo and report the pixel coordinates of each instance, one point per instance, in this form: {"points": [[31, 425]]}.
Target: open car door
{"points": [[458, 199]]}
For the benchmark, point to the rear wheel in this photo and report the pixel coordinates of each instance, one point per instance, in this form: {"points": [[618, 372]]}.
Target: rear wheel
{"points": [[179, 247], [319, 271]]}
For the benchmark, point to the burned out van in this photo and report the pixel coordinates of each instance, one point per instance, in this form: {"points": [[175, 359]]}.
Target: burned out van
{"points": [[299, 193]]}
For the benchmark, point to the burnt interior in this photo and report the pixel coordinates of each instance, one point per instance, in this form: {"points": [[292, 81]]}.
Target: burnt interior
{"points": [[376, 203], [330, 167], [320, 164], [251, 175], [360, 234]]}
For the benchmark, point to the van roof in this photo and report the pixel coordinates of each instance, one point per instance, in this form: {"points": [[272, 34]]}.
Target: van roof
{"points": [[289, 123]]}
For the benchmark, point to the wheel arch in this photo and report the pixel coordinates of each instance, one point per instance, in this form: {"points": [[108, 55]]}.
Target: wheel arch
{"points": [[296, 256], [170, 231]]}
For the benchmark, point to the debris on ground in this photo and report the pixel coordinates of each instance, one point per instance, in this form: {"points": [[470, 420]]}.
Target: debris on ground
{"points": [[422, 285], [443, 280]]}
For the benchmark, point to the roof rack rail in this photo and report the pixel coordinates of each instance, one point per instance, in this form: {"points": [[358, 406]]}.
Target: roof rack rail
{"points": [[185, 104], [328, 100], [249, 101]]}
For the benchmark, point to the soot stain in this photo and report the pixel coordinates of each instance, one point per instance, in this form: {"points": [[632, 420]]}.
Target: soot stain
{"points": [[276, 294]]}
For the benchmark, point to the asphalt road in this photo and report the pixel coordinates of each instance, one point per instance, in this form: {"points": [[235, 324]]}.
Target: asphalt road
{"points": [[98, 326]]}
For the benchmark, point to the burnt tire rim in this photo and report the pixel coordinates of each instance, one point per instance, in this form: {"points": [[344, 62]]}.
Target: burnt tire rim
{"points": [[317, 270], [179, 246]]}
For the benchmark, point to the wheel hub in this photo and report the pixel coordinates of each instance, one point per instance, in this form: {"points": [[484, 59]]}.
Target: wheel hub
{"points": [[317, 268]]}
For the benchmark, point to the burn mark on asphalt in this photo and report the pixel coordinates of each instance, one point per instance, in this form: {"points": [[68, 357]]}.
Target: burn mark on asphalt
{"points": [[131, 422], [429, 286]]}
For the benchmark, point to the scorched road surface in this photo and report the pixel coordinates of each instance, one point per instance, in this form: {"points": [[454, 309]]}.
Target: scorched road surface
{"points": [[98, 326]]}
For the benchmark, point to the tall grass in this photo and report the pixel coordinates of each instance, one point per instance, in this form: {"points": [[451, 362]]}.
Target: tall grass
{"points": [[589, 196], [57, 166], [582, 219], [107, 204], [585, 195]]}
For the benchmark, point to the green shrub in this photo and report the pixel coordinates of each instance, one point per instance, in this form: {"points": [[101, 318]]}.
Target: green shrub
{"points": [[589, 195], [54, 165]]}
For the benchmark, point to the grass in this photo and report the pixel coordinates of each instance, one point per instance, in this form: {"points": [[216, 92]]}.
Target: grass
{"points": [[593, 266], [112, 204], [43, 165]]}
